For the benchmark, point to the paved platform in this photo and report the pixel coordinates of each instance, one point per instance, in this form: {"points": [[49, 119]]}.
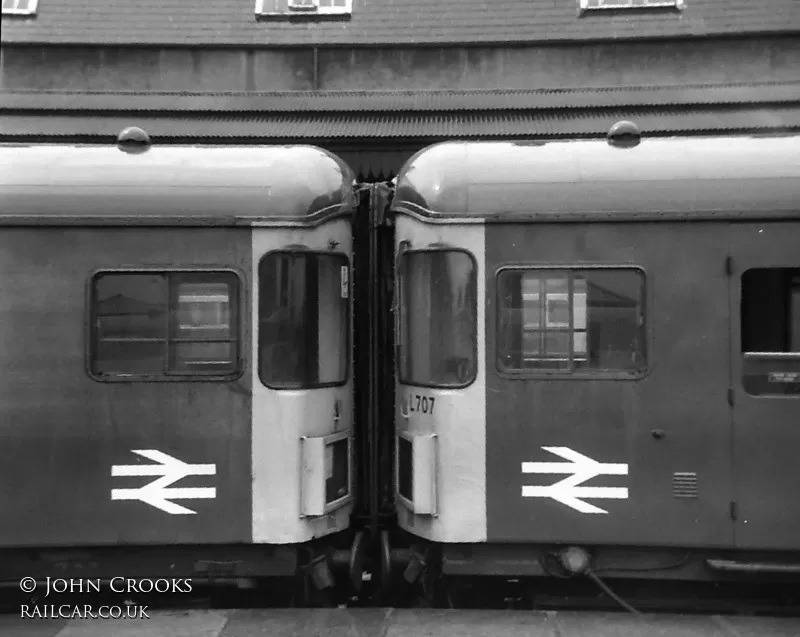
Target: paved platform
{"points": [[401, 623]]}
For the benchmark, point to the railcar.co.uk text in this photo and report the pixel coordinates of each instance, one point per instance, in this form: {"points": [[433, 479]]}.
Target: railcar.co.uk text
{"points": [[85, 611]]}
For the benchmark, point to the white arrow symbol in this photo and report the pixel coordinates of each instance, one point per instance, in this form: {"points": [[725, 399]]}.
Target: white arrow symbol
{"points": [[582, 469], [156, 492]]}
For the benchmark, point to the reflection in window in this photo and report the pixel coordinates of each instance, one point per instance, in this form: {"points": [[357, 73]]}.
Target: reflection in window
{"points": [[164, 323], [770, 320], [571, 320], [438, 318], [304, 318]]}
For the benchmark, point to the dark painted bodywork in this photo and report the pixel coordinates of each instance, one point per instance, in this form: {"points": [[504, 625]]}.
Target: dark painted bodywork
{"points": [[62, 431], [694, 213], [684, 393], [69, 211], [766, 429]]}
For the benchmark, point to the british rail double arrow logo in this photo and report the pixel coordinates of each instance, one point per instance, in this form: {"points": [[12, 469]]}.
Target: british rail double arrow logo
{"points": [[568, 491], [157, 493]]}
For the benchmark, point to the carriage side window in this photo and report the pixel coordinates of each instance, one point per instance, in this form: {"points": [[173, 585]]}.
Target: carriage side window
{"points": [[155, 325], [304, 319], [437, 318], [571, 320], [770, 322]]}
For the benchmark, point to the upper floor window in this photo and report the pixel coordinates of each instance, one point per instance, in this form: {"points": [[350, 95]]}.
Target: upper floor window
{"points": [[303, 7], [303, 319], [590, 5], [164, 325], [770, 322], [437, 340], [20, 7], [571, 320]]}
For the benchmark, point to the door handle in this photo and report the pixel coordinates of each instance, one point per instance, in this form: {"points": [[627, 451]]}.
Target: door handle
{"points": [[404, 408]]}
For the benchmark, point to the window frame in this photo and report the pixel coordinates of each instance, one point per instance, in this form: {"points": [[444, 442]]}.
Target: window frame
{"points": [[260, 10], [399, 304], [33, 7], [582, 374], [349, 319], [173, 377], [745, 356], [627, 5]]}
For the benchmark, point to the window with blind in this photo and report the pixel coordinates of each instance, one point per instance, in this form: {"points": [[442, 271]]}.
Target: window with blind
{"points": [[164, 325], [571, 320]]}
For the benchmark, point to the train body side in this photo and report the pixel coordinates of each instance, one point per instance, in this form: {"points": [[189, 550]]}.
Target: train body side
{"points": [[64, 430], [619, 397], [93, 457]]}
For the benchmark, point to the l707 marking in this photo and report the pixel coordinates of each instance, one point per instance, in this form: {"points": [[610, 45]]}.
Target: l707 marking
{"points": [[424, 404]]}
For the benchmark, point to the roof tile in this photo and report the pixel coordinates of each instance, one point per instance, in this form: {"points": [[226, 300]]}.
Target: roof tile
{"points": [[233, 22]]}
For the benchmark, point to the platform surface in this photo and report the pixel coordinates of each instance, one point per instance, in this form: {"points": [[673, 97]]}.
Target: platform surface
{"points": [[402, 623]]}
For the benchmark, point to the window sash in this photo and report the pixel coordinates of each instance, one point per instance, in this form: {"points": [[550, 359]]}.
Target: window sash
{"points": [[437, 318], [323, 7], [166, 308], [770, 331], [19, 7], [304, 319], [599, 5], [548, 321]]}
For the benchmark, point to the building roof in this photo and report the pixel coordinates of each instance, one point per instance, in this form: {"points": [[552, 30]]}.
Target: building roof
{"points": [[441, 100], [234, 23], [577, 180]]}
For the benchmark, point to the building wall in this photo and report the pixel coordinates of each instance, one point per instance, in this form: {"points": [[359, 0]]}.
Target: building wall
{"points": [[384, 68]]}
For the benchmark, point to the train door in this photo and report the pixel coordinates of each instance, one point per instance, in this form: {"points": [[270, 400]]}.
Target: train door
{"points": [[607, 414], [302, 381], [440, 391], [765, 309]]}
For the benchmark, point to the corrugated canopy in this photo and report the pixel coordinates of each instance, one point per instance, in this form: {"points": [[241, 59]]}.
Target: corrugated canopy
{"points": [[377, 131]]}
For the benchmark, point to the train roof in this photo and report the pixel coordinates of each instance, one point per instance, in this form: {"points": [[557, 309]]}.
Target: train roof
{"points": [[583, 180], [172, 185]]}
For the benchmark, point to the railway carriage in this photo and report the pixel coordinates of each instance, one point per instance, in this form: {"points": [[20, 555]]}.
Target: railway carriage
{"points": [[177, 390], [598, 356], [596, 351]]}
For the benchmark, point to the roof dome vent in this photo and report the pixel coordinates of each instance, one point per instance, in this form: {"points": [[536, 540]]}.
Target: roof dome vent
{"points": [[133, 140], [624, 134]]}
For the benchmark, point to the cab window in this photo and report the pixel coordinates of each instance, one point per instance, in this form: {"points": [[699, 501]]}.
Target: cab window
{"points": [[303, 320], [571, 320], [164, 325], [770, 324], [437, 340]]}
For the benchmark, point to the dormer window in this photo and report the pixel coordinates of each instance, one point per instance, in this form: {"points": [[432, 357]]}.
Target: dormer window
{"points": [[591, 5], [303, 7], [20, 7]]}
